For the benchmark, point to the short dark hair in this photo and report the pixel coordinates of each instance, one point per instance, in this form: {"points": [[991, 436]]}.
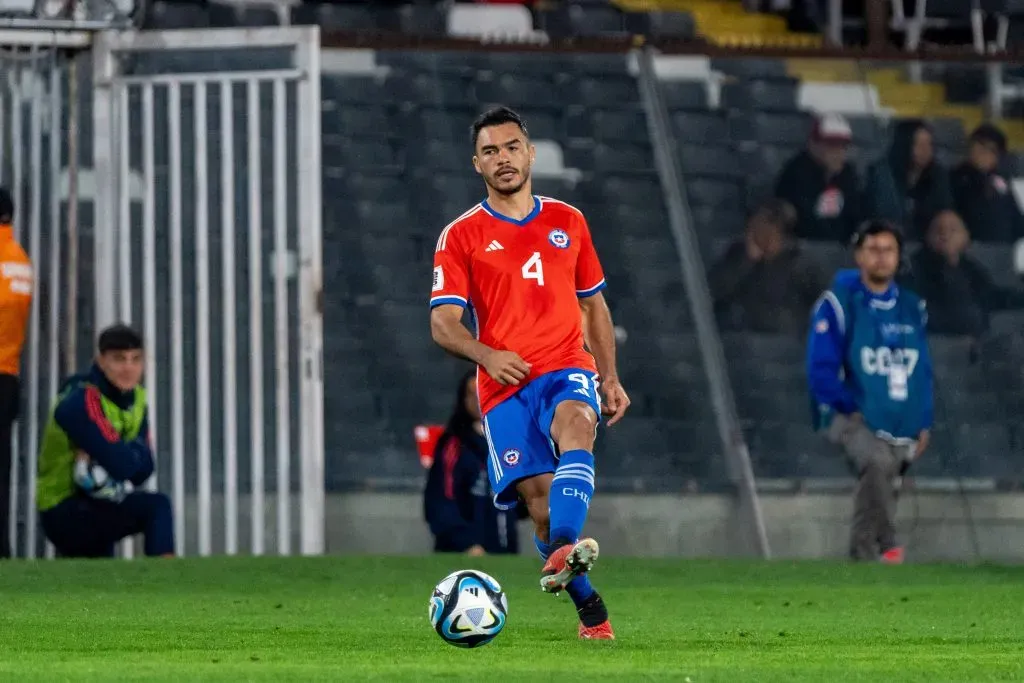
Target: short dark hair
{"points": [[877, 227], [777, 212], [119, 337], [6, 205], [990, 133], [496, 117]]}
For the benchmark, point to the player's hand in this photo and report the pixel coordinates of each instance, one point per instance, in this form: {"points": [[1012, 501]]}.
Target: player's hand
{"points": [[476, 551], [616, 401], [506, 367], [922, 443]]}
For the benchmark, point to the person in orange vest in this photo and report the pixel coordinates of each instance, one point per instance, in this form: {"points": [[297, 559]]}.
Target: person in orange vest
{"points": [[16, 284]]}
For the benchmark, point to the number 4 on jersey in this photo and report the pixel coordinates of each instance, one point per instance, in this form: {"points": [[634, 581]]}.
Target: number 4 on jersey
{"points": [[533, 269]]}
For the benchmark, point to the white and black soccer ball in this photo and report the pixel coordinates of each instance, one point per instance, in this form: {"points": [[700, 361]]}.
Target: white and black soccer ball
{"points": [[92, 479], [468, 608]]}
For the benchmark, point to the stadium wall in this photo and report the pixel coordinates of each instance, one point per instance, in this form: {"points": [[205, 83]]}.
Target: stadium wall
{"points": [[937, 526]]}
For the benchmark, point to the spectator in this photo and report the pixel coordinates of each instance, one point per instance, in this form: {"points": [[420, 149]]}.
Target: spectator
{"points": [[457, 502], [909, 187], [960, 293], [981, 194], [823, 184], [764, 282], [15, 303]]}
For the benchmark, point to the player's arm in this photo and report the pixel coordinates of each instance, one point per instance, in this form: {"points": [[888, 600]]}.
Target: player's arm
{"points": [[598, 330], [80, 415], [599, 334], [143, 448], [448, 298]]}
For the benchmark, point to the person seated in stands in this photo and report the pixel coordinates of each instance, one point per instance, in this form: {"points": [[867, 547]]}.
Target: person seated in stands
{"points": [[457, 502], [823, 184], [764, 282], [982, 194], [960, 293], [909, 186]]}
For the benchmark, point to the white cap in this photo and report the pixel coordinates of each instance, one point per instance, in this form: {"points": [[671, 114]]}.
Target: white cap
{"points": [[832, 128]]}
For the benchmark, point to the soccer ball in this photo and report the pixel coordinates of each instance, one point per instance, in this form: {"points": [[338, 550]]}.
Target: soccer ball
{"points": [[468, 608], [94, 481]]}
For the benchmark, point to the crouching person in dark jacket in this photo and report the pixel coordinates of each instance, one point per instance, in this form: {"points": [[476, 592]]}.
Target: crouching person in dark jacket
{"points": [[457, 502], [96, 441]]}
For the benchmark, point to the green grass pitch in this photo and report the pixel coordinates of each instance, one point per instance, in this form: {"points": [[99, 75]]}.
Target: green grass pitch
{"points": [[359, 618]]}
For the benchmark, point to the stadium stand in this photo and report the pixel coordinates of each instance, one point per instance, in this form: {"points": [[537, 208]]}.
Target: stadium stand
{"points": [[736, 122], [396, 169]]}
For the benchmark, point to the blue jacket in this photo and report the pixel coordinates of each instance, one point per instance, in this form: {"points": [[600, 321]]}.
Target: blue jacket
{"points": [[457, 501], [124, 461], [856, 337]]}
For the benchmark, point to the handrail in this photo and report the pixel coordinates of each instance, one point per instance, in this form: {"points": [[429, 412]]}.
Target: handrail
{"points": [[692, 266]]}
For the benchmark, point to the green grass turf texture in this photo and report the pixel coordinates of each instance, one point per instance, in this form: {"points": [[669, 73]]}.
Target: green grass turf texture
{"points": [[359, 618]]}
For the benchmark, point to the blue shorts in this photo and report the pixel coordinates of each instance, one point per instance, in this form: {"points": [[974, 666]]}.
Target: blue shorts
{"points": [[518, 429]]}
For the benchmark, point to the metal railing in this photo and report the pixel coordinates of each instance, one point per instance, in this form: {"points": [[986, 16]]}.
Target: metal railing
{"points": [[681, 224]]}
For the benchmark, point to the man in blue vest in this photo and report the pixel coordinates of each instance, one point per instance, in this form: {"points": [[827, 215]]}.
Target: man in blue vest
{"points": [[870, 379]]}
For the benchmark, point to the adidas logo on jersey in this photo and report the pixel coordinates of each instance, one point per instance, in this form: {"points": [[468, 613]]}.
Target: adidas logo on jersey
{"points": [[494, 246]]}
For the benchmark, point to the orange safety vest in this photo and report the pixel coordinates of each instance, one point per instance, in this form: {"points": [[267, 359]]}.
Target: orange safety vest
{"points": [[16, 284]]}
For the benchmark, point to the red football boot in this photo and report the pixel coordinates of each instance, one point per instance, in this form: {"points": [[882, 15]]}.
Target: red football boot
{"points": [[893, 556], [568, 562], [602, 631]]}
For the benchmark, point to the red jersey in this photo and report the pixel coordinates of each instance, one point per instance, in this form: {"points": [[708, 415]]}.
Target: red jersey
{"points": [[522, 280]]}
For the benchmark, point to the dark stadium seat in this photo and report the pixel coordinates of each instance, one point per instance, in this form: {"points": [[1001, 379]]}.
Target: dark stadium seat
{"points": [[636, 190], [453, 90], [775, 95], [659, 24], [770, 405], [752, 68], [357, 121], [596, 20], [518, 90], [365, 154], [351, 89], [629, 125], [589, 64], [620, 157], [685, 95], [767, 347], [710, 161], [421, 20], [701, 128], [333, 16], [600, 91], [176, 15], [770, 128], [714, 193]]}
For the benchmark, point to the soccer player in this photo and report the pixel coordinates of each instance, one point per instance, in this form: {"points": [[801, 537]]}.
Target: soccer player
{"points": [[525, 266]]}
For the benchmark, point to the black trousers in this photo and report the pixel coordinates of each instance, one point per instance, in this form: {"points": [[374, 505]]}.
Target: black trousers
{"points": [[10, 399], [88, 527]]}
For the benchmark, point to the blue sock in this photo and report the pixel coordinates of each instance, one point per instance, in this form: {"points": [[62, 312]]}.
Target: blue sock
{"points": [[571, 490], [579, 589]]}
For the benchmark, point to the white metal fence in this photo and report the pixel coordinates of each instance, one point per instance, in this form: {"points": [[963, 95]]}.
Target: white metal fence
{"points": [[207, 237]]}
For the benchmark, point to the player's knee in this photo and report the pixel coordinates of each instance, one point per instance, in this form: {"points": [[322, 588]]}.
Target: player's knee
{"points": [[538, 509], [158, 505], [574, 426]]}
